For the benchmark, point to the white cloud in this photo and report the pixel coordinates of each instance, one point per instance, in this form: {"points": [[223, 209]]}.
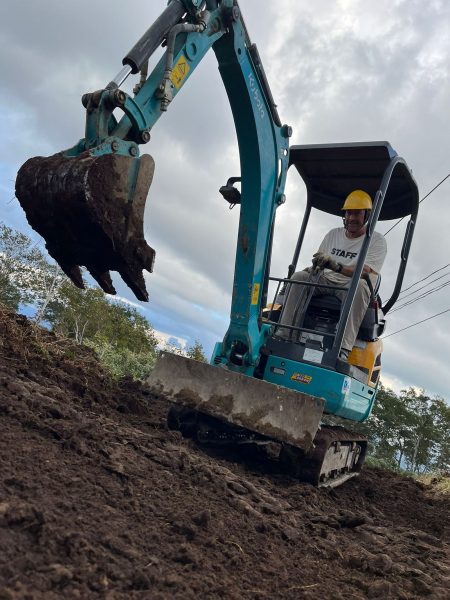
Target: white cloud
{"points": [[165, 339]]}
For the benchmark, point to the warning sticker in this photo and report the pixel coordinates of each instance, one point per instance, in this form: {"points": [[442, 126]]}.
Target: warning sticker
{"points": [[255, 293], [179, 72], [301, 378], [346, 384], [313, 355]]}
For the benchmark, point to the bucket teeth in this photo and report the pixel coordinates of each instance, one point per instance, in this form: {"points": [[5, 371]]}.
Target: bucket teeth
{"points": [[74, 274], [103, 280], [90, 211], [136, 283]]}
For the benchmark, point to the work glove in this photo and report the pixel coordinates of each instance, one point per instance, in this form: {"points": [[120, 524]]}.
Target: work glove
{"points": [[324, 261]]}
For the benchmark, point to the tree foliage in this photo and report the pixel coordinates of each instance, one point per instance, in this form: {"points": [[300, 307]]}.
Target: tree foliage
{"points": [[88, 315], [19, 258], [26, 276], [123, 362], [10, 294], [196, 352], [410, 431], [123, 339]]}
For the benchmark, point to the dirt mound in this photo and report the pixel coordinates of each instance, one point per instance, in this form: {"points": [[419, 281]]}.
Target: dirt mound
{"points": [[99, 500]]}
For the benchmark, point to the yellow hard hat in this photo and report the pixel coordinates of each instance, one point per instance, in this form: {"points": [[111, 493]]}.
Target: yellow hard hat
{"points": [[358, 200]]}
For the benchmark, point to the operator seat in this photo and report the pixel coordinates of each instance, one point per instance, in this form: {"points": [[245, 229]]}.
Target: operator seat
{"points": [[323, 314]]}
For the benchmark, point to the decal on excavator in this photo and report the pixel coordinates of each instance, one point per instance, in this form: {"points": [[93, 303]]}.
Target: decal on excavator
{"points": [[255, 293], [179, 72], [256, 96], [312, 355], [346, 384], [301, 378]]}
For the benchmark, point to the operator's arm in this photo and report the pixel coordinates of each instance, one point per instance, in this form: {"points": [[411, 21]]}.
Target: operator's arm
{"points": [[348, 270], [324, 261]]}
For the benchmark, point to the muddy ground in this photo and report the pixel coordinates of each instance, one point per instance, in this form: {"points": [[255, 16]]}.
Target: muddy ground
{"points": [[99, 500]]}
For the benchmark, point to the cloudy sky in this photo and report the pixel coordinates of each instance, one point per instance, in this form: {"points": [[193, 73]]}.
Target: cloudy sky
{"points": [[340, 71]]}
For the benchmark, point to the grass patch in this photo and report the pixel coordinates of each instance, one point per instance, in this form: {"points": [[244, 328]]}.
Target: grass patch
{"points": [[439, 481]]}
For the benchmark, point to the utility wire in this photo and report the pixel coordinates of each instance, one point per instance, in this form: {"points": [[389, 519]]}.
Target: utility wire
{"points": [[424, 286], [430, 192], [424, 278], [418, 323], [428, 293]]}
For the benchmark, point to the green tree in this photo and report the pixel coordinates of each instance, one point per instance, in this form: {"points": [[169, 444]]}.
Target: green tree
{"points": [[9, 293], [441, 459], [78, 314], [26, 276], [196, 352], [123, 339], [18, 276], [123, 362], [88, 315], [428, 431], [410, 430], [387, 428]]}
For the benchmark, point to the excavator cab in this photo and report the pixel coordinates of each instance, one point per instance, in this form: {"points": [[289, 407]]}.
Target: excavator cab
{"points": [[309, 360]]}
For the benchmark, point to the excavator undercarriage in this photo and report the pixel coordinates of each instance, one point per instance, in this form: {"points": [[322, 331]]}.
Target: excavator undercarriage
{"points": [[215, 406], [336, 454]]}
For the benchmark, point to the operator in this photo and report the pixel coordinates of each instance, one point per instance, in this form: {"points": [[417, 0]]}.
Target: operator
{"points": [[337, 256]]}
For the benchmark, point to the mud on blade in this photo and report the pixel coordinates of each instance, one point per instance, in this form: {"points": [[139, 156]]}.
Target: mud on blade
{"points": [[271, 410], [90, 211]]}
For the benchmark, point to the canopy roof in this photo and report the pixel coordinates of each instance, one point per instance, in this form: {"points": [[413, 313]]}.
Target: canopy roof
{"points": [[332, 171]]}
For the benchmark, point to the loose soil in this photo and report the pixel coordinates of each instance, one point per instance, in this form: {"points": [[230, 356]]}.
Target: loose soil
{"points": [[98, 499]]}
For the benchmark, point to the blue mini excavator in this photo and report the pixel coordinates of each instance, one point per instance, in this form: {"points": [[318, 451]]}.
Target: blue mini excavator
{"points": [[88, 204]]}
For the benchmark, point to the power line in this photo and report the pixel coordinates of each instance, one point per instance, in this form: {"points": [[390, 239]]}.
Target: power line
{"points": [[418, 323], [424, 286], [435, 187], [430, 192], [424, 295], [424, 278]]}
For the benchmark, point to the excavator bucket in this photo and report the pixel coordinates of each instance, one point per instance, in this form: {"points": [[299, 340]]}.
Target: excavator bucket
{"points": [[265, 408], [90, 211]]}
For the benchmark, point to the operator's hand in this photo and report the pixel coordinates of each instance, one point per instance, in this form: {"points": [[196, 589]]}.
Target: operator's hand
{"points": [[324, 261]]}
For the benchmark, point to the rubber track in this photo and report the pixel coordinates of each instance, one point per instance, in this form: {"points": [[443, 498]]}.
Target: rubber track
{"points": [[311, 464]]}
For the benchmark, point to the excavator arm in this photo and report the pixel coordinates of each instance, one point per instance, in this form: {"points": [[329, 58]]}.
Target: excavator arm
{"points": [[88, 201]]}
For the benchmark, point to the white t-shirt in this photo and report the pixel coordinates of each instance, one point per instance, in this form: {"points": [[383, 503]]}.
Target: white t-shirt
{"points": [[346, 251]]}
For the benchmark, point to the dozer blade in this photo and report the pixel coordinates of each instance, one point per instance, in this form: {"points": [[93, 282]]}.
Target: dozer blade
{"points": [[90, 211], [268, 409]]}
